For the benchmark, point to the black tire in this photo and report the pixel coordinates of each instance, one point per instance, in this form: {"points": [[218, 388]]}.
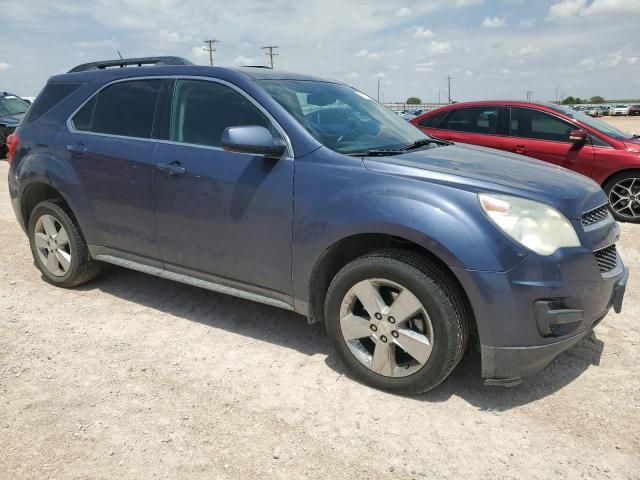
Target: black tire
{"points": [[83, 268], [438, 293], [624, 216]]}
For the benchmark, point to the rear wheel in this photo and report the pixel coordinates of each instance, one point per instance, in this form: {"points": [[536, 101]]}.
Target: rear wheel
{"points": [[397, 320], [58, 247], [623, 191]]}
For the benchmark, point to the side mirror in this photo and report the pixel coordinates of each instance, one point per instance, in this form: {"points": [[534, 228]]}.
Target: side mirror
{"points": [[577, 137], [252, 139]]}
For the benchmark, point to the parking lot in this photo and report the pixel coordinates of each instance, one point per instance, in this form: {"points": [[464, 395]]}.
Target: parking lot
{"points": [[136, 376]]}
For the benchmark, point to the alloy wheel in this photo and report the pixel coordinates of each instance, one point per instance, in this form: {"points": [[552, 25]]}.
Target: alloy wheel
{"points": [[386, 327], [52, 245], [624, 198]]}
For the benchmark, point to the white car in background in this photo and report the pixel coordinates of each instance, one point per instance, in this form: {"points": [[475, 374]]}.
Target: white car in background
{"points": [[619, 110]]}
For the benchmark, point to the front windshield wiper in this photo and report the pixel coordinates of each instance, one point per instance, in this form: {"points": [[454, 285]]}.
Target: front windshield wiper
{"points": [[425, 141], [376, 153]]}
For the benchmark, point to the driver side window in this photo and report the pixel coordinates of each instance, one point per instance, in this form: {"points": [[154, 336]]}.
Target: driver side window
{"points": [[201, 111]]}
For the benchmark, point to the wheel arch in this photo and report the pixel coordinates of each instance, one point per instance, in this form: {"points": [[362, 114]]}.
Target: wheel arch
{"points": [[620, 172], [347, 249]]}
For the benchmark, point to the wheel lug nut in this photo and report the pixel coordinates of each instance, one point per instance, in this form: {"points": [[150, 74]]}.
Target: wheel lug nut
{"points": [[378, 316], [374, 328], [392, 320], [383, 339], [394, 334]]}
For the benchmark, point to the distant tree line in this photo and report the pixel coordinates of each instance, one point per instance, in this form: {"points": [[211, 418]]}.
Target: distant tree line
{"points": [[577, 100]]}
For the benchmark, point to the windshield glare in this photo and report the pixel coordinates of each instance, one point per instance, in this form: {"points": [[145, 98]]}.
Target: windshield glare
{"points": [[12, 106], [342, 118], [599, 125]]}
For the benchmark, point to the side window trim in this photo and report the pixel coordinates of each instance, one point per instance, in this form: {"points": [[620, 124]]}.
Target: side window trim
{"points": [[508, 134], [290, 154]]}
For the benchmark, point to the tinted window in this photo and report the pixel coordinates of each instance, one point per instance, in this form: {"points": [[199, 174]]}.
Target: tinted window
{"points": [[202, 110], [82, 119], [50, 96], [473, 120], [529, 123], [127, 108], [433, 121]]}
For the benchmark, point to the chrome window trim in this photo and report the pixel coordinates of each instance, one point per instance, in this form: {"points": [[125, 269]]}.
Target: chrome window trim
{"points": [[289, 154]]}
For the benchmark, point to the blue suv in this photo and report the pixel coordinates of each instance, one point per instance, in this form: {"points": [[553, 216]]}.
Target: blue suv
{"points": [[306, 194]]}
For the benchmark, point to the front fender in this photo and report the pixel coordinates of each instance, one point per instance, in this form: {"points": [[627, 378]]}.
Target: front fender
{"points": [[444, 220]]}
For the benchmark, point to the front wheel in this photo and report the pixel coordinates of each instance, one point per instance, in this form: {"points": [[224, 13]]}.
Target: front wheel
{"points": [[623, 191], [397, 320]]}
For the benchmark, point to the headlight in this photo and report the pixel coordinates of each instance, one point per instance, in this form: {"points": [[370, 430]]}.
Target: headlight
{"points": [[537, 226]]}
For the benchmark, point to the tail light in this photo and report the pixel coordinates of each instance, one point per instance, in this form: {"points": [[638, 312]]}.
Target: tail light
{"points": [[12, 144]]}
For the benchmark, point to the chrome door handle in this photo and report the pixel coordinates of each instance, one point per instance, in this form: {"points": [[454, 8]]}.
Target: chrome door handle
{"points": [[77, 150], [173, 168]]}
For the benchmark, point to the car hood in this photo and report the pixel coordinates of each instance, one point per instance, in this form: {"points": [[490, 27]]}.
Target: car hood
{"points": [[11, 120], [485, 169]]}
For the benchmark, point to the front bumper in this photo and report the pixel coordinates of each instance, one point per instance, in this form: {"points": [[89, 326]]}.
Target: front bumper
{"points": [[543, 306]]}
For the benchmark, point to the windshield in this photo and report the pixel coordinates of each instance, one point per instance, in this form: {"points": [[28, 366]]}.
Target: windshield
{"points": [[599, 125], [11, 105], [342, 118]]}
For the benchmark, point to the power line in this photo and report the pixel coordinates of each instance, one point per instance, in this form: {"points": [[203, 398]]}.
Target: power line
{"points": [[270, 53], [209, 48]]}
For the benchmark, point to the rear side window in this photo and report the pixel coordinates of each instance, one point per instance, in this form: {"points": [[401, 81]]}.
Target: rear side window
{"points": [[527, 123], [51, 95], [433, 121], [483, 120], [82, 119], [202, 110], [125, 108]]}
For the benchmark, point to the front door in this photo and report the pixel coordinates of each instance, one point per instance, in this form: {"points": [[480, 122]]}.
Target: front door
{"points": [[543, 136], [222, 213]]}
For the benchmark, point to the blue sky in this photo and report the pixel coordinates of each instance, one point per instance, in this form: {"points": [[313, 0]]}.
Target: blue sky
{"points": [[492, 49]]}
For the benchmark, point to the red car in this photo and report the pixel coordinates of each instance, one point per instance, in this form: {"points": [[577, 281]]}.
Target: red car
{"points": [[634, 110], [552, 133]]}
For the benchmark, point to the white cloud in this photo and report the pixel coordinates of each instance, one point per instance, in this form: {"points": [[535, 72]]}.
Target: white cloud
{"points": [[241, 60], [425, 67], [632, 60], [421, 32], [439, 48], [199, 52], [493, 22], [467, 3], [506, 71], [174, 37], [587, 62], [379, 75], [96, 44], [404, 12], [529, 50], [468, 73], [614, 59], [526, 23], [367, 54], [598, 8], [352, 75], [4, 67]]}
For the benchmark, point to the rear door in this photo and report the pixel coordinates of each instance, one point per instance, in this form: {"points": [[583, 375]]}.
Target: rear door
{"points": [[540, 135], [481, 125], [219, 213], [109, 145]]}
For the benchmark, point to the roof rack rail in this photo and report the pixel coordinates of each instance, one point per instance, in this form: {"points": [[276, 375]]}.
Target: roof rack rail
{"points": [[124, 62], [257, 66]]}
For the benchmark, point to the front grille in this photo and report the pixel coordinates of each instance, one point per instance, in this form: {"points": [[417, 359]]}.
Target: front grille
{"points": [[607, 258], [596, 215]]}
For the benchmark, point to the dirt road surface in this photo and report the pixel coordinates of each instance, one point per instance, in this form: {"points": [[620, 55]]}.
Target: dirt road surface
{"points": [[137, 377]]}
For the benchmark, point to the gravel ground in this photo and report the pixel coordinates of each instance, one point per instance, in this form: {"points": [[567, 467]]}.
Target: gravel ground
{"points": [[137, 377]]}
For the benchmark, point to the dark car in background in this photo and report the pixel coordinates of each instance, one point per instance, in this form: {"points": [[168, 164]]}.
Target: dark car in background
{"points": [[634, 110], [553, 133], [12, 109], [308, 195]]}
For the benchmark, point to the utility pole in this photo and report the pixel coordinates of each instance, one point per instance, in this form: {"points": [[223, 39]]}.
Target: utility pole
{"points": [[378, 90], [449, 88], [529, 93], [209, 48], [270, 53]]}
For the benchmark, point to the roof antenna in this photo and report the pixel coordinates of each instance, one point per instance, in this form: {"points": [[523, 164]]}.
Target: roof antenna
{"points": [[119, 54]]}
